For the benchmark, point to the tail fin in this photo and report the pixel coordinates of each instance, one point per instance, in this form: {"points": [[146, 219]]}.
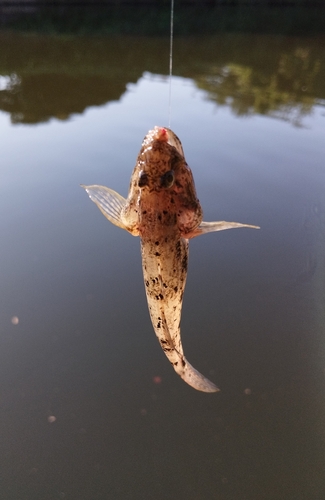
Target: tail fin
{"points": [[194, 378]]}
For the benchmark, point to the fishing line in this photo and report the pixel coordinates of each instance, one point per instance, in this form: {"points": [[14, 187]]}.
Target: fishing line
{"points": [[171, 60]]}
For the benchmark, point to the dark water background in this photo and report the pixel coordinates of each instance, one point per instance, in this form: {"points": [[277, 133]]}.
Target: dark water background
{"points": [[249, 109]]}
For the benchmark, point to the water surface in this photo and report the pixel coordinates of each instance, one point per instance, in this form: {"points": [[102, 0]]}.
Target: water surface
{"points": [[75, 334]]}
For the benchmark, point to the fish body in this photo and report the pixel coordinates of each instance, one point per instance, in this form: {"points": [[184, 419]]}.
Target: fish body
{"points": [[163, 209]]}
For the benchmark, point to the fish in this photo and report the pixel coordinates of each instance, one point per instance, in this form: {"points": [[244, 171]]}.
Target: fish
{"points": [[162, 208]]}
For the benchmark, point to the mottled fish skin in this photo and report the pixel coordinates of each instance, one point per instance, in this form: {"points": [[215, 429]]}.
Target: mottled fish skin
{"points": [[162, 208]]}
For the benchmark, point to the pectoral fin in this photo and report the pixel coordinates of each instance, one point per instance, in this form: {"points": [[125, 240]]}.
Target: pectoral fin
{"points": [[209, 227], [109, 202]]}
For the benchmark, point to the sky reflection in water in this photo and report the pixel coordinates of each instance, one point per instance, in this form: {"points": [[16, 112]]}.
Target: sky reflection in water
{"points": [[83, 350]]}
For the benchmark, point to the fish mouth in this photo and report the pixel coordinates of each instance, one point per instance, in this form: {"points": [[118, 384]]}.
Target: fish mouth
{"points": [[160, 134], [165, 134]]}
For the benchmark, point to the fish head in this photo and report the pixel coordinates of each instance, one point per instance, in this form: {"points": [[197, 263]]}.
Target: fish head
{"points": [[164, 183]]}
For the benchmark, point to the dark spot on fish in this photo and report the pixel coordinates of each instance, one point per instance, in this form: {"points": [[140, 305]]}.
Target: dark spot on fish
{"points": [[157, 254], [159, 216], [163, 341], [161, 296], [178, 184], [184, 263], [165, 212], [183, 362], [158, 324], [144, 212], [172, 200], [167, 179], [166, 239], [165, 286], [156, 242], [143, 179], [178, 250], [147, 283], [176, 363], [176, 289]]}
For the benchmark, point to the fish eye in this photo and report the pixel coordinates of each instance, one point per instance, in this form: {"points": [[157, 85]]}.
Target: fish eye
{"points": [[143, 179], [167, 180]]}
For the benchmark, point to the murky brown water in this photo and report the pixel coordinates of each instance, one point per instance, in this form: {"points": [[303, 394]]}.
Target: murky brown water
{"points": [[81, 413]]}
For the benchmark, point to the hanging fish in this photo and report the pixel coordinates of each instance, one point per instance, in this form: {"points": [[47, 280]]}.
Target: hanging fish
{"points": [[162, 208]]}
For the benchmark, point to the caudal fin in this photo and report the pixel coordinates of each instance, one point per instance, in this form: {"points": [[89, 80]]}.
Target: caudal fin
{"points": [[195, 379]]}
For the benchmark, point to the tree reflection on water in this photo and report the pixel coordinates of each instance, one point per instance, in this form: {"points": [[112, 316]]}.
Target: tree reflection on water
{"points": [[288, 93], [42, 77]]}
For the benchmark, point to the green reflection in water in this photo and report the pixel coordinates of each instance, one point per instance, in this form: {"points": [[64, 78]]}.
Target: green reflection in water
{"points": [[50, 76], [286, 93], [153, 18]]}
